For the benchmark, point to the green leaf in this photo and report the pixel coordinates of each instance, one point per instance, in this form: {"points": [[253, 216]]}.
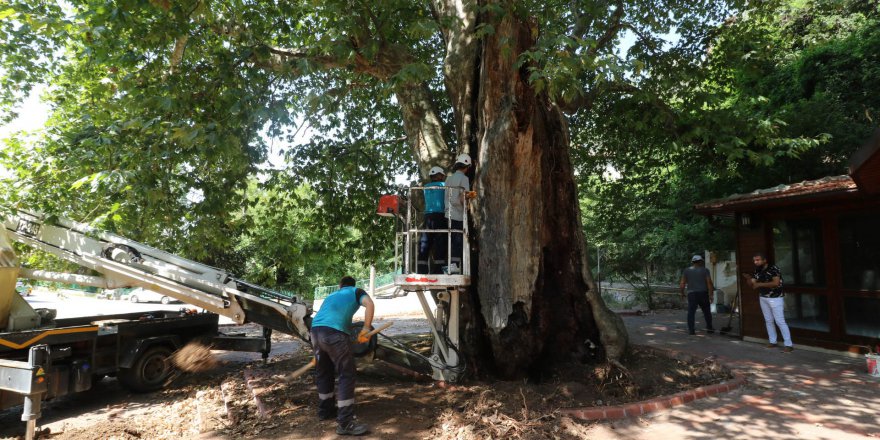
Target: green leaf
{"points": [[7, 13]]}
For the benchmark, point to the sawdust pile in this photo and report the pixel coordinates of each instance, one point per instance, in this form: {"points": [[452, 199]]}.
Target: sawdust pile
{"points": [[195, 357]]}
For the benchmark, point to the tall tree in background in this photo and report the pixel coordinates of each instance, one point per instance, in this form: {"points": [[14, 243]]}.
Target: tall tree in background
{"points": [[784, 95], [166, 103]]}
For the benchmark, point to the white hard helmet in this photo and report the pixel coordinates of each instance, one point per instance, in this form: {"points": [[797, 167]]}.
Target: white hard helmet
{"points": [[463, 159], [436, 170]]}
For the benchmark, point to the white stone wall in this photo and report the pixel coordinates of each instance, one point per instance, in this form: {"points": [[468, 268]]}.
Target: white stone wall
{"points": [[722, 268]]}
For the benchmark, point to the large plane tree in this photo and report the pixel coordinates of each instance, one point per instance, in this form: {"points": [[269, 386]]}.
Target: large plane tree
{"points": [[169, 106]]}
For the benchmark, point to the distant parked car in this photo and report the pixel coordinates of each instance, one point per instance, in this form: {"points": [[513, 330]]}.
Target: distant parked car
{"points": [[139, 294], [23, 289]]}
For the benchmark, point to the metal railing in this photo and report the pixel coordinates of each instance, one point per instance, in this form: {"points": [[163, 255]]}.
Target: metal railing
{"points": [[381, 282], [410, 236]]}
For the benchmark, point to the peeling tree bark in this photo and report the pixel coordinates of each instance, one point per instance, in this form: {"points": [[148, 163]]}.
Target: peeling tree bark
{"points": [[536, 298]]}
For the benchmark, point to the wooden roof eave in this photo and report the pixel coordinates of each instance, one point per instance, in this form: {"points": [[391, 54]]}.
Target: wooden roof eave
{"points": [[731, 207]]}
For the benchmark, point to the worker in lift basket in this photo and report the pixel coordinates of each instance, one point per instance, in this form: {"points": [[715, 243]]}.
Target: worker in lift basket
{"points": [[458, 186], [434, 244], [333, 354]]}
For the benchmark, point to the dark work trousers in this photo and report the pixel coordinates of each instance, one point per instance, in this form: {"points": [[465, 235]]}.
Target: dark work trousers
{"points": [[457, 241], [700, 299], [433, 244], [334, 357]]}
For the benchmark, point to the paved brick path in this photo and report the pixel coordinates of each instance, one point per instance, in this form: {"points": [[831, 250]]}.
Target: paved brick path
{"points": [[799, 395]]}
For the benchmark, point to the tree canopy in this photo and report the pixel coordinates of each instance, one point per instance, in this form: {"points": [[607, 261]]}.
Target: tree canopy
{"points": [[783, 95], [162, 112], [220, 129]]}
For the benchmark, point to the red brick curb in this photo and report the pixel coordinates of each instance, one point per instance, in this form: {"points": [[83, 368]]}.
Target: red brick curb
{"points": [[658, 403], [251, 380]]}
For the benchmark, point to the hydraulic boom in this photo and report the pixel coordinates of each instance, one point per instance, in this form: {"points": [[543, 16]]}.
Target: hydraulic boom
{"points": [[127, 263]]}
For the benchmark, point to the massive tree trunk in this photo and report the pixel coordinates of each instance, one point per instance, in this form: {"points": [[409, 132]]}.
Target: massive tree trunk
{"points": [[534, 301]]}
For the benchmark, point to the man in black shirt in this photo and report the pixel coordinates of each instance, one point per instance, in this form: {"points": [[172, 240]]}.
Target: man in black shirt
{"points": [[699, 292], [768, 280]]}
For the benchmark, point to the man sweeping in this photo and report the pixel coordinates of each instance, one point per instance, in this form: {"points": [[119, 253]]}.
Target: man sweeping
{"points": [[333, 354]]}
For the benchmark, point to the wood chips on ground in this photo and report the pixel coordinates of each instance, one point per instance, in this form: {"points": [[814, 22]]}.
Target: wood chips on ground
{"points": [[219, 402]]}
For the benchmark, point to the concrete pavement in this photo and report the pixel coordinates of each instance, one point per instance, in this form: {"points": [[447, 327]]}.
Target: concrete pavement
{"points": [[799, 395]]}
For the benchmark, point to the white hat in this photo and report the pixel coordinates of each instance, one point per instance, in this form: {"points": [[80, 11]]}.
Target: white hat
{"points": [[696, 258], [463, 158], [436, 170]]}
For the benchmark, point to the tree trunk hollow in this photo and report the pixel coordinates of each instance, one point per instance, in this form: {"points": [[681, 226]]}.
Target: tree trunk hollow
{"points": [[530, 306]]}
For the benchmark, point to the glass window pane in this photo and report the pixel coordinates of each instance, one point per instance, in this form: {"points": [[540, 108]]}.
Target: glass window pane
{"points": [[809, 251], [806, 311], [783, 251], [860, 253], [861, 316], [799, 253]]}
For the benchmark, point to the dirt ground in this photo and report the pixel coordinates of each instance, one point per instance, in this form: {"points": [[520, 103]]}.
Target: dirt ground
{"points": [[220, 404]]}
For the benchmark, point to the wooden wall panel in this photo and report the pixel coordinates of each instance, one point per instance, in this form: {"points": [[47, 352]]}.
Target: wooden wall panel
{"points": [[750, 240]]}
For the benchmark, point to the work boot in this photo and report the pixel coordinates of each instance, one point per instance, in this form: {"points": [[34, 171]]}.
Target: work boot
{"points": [[327, 415], [327, 409], [352, 427]]}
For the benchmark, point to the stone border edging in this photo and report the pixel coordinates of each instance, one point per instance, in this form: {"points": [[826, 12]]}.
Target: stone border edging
{"points": [[250, 380], [658, 403]]}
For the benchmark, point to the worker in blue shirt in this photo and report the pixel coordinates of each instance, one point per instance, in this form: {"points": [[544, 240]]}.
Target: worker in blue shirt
{"points": [[431, 243], [332, 344]]}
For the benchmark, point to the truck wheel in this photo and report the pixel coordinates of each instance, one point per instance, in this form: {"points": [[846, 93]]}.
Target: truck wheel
{"points": [[151, 370], [165, 300], [133, 298]]}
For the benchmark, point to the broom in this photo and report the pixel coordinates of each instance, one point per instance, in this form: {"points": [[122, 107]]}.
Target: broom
{"points": [[197, 357], [727, 328], [361, 340]]}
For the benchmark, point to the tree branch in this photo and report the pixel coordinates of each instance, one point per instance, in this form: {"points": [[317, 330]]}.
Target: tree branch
{"points": [[458, 20], [423, 127], [326, 61], [608, 36], [642, 37], [177, 53], [583, 23], [180, 43], [585, 101]]}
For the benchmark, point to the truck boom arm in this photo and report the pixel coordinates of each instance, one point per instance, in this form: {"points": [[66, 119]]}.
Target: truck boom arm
{"points": [[125, 262]]}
